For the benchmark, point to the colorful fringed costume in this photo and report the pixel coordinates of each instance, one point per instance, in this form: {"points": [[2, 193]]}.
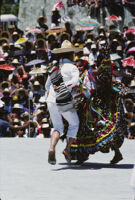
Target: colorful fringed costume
{"points": [[102, 123]]}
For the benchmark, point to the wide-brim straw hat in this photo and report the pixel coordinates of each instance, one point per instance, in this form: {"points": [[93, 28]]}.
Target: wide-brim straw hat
{"points": [[25, 114], [5, 33], [44, 120], [6, 98], [54, 9], [6, 83], [41, 42], [21, 90], [6, 91], [66, 47], [51, 35], [16, 62], [36, 83], [132, 84], [38, 112], [4, 40], [130, 101], [43, 18], [16, 121], [88, 41], [64, 34], [34, 124], [5, 45], [29, 45], [16, 106]]}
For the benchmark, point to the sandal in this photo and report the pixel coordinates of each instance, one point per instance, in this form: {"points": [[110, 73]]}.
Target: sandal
{"points": [[51, 158], [67, 155]]}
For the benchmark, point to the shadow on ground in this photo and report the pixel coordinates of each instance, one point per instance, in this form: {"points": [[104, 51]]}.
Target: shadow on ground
{"points": [[93, 166]]}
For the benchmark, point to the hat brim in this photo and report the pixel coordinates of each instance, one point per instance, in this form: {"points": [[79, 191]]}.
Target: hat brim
{"points": [[42, 17], [4, 82], [34, 124], [2, 111], [4, 39], [21, 90], [14, 108], [66, 50], [6, 98]]}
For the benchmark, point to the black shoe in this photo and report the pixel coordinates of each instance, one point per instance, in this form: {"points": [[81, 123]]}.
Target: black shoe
{"points": [[116, 159], [67, 155], [51, 158]]}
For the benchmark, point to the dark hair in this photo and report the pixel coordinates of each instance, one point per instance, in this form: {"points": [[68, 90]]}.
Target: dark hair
{"points": [[66, 55]]}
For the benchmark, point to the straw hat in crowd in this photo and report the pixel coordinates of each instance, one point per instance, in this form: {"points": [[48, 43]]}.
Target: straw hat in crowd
{"points": [[66, 47], [16, 106], [4, 84], [15, 62], [42, 18], [20, 91]]}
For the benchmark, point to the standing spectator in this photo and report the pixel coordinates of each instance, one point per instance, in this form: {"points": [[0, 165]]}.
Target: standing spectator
{"points": [[68, 29], [55, 18], [41, 23], [130, 4]]}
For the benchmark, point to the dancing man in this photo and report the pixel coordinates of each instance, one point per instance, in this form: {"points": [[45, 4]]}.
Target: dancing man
{"points": [[59, 88]]}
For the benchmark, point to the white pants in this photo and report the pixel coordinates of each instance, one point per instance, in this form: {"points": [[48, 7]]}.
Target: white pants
{"points": [[70, 116]]}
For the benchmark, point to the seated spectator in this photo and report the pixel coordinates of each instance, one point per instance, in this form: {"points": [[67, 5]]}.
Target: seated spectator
{"points": [[16, 121], [17, 110], [19, 133], [78, 37], [36, 89], [30, 36], [40, 47], [5, 34], [113, 45], [3, 40], [46, 130], [38, 116], [41, 78], [5, 48], [4, 85], [93, 56], [87, 48], [7, 103], [15, 63], [64, 36], [21, 74], [22, 95], [5, 127], [32, 132], [15, 37]]}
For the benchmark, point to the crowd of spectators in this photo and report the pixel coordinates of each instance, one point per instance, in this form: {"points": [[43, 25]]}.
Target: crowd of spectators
{"points": [[98, 7], [128, 3], [23, 94]]}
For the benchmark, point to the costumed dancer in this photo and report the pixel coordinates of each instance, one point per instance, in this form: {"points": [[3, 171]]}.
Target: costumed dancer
{"points": [[105, 125]]}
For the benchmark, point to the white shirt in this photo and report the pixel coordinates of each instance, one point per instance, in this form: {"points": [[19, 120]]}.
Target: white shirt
{"points": [[70, 74], [93, 58], [86, 50]]}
